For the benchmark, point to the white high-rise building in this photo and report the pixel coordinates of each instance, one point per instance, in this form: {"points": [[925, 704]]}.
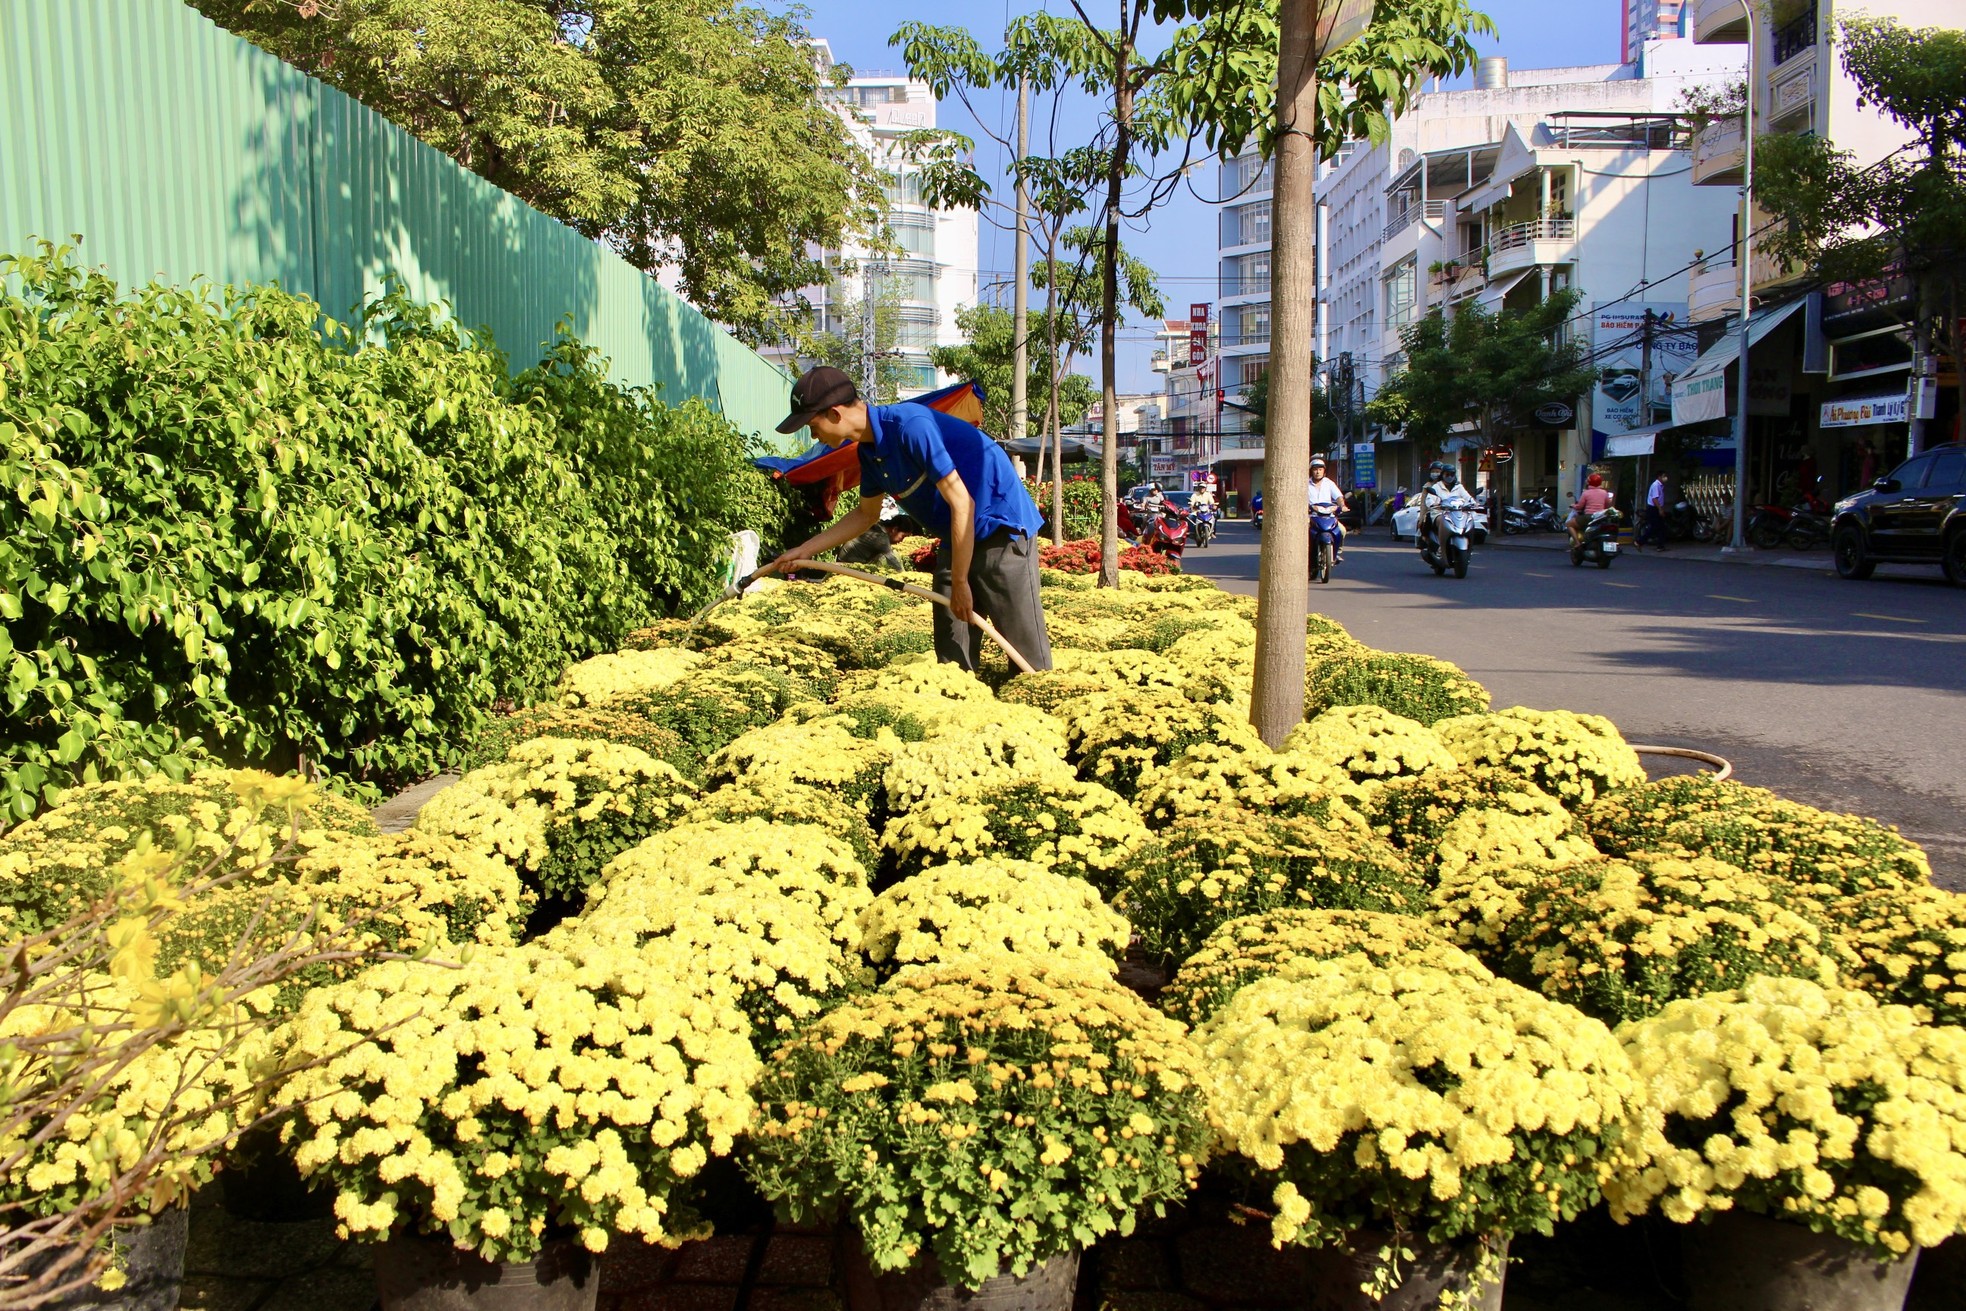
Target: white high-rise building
{"points": [[1653, 20], [935, 275]]}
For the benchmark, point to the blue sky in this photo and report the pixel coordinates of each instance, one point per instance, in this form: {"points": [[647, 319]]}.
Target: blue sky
{"points": [[1179, 240]]}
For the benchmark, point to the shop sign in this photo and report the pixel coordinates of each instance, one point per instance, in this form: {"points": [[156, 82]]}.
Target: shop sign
{"points": [[1160, 466], [1618, 342], [1697, 399], [1857, 411], [1555, 414], [1499, 454], [1365, 465], [1198, 333]]}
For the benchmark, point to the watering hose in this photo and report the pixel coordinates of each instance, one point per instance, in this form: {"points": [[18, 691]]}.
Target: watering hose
{"points": [[1722, 768], [736, 590]]}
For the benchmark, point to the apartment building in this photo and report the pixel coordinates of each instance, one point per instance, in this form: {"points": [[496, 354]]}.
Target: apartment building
{"points": [[935, 275], [1532, 181], [1652, 20], [1835, 384]]}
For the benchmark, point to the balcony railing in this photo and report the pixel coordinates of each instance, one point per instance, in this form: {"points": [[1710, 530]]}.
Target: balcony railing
{"points": [[1435, 210], [1522, 234], [1795, 38]]}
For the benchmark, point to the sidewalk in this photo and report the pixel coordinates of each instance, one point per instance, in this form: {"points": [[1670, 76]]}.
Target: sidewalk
{"points": [[1706, 553]]}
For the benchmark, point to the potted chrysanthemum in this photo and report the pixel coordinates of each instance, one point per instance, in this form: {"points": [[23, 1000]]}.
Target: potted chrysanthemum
{"points": [[1408, 1115], [978, 1123], [1815, 1131], [493, 1124]]}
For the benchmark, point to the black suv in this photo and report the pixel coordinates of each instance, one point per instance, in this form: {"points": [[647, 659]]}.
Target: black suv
{"points": [[1916, 514]]}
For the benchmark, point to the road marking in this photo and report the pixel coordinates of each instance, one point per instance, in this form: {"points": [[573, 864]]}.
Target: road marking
{"points": [[1744, 600], [1894, 619], [1609, 583], [1530, 573]]}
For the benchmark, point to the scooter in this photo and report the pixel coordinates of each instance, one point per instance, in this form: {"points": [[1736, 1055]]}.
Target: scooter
{"points": [[1684, 522], [1534, 515], [1324, 545], [1202, 522], [1599, 544], [1164, 531], [1807, 528], [1256, 511], [1447, 543]]}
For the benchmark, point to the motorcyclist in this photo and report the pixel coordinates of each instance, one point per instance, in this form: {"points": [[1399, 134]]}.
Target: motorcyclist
{"points": [[1594, 499], [1327, 499], [1441, 481]]}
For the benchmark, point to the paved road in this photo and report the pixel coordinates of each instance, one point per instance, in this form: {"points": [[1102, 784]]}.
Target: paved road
{"points": [[1850, 696]]}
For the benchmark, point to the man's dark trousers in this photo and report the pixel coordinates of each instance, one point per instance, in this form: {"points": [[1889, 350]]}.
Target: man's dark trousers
{"points": [[1003, 583]]}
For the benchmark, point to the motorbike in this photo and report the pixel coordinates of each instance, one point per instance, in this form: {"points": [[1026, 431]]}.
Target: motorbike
{"points": [[1447, 542], [1683, 522], [1256, 513], [1800, 527], [1202, 524], [1600, 540], [1535, 515], [1164, 530], [1324, 544]]}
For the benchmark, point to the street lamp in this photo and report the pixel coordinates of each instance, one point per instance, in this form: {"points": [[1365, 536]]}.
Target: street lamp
{"points": [[1744, 251]]}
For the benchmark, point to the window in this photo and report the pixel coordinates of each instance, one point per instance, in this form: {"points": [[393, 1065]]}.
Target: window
{"points": [[1402, 289], [1948, 471], [1911, 474], [1255, 325], [1254, 368], [1255, 275], [1253, 223]]}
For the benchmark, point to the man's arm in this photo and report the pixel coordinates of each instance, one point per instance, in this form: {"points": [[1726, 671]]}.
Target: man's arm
{"points": [[962, 544], [865, 515]]}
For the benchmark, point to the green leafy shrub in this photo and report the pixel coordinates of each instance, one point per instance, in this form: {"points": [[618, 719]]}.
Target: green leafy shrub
{"points": [[1419, 687], [1083, 515], [351, 567], [1205, 872]]}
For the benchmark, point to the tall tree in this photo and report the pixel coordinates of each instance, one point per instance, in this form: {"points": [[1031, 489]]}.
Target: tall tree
{"points": [[1279, 73], [1905, 214], [1488, 368], [684, 133], [846, 346], [988, 357]]}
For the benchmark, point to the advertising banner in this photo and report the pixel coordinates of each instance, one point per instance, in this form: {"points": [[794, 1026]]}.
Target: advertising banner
{"points": [[1197, 333], [1365, 465], [1857, 411], [1618, 341]]}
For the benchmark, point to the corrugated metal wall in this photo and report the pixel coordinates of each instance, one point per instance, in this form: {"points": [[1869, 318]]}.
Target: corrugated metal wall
{"points": [[178, 151]]}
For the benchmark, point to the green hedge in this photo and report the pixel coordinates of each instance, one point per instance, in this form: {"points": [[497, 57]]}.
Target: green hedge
{"points": [[238, 530]]}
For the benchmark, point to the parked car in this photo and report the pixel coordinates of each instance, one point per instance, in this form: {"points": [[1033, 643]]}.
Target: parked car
{"points": [[1916, 514], [1406, 522]]}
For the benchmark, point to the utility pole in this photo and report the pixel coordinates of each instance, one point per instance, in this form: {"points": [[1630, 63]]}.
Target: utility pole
{"points": [[1020, 293], [1645, 382], [1744, 252]]}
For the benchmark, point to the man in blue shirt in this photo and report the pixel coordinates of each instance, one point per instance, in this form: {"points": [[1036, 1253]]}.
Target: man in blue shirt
{"points": [[960, 485]]}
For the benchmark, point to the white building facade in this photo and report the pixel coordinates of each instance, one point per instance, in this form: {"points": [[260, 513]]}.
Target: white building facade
{"points": [[1531, 182], [935, 274]]}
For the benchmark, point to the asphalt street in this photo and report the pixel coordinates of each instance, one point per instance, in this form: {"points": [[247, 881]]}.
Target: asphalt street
{"points": [[1849, 696]]}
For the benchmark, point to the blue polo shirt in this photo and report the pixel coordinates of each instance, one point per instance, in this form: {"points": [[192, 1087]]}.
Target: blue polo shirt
{"points": [[915, 447]]}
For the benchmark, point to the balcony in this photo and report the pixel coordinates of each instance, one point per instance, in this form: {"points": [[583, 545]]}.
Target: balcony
{"points": [[1719, 22], [1714, 290], [1435, 211], [1528, 245], [1457, 279], [1719, 153], [1795, 38]]}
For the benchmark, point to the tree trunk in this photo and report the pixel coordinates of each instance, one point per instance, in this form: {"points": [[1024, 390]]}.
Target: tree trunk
{"points": [[1277, 701], [1057, 377], [1109, 295], [1020, 293]]}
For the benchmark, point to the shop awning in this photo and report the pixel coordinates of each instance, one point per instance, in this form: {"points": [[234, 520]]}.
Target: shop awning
{"points": [[1498, 290], [1241, 455], [1639, 441], [1076, 448], [1701, 392]]}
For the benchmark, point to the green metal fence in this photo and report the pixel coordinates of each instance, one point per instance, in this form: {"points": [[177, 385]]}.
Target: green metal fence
{"points": [[178, 151]]}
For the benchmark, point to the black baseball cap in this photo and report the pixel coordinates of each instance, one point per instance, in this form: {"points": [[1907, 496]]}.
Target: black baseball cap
{"points": [[818, 389]]}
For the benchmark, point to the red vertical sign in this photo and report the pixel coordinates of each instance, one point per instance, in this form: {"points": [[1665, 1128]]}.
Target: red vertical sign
{"points": [[1197, 334]]}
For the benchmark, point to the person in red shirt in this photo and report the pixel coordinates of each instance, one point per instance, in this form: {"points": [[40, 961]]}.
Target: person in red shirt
{"points": [[1590, 501]]}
